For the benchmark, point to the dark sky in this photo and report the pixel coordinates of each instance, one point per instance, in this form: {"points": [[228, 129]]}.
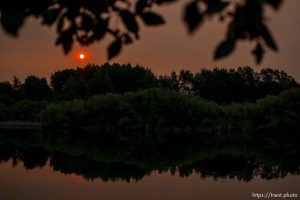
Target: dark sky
{"points": [[162, 49]]}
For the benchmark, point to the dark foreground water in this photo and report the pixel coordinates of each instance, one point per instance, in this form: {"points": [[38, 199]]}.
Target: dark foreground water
{"points": [[157, 166]]}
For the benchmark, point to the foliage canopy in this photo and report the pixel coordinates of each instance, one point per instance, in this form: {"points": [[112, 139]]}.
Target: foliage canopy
{"points": [[223, 86], [90, 21]]}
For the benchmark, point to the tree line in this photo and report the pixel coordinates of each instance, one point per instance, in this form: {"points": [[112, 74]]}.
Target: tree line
{"points": [[156, 109], [152, 110], [220, 85]]}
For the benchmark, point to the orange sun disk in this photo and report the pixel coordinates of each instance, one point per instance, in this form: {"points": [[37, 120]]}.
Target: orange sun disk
{"points": [[81, 56]]}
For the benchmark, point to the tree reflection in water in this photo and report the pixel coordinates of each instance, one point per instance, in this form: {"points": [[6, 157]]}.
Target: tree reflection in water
{"points": [[132, 156]]}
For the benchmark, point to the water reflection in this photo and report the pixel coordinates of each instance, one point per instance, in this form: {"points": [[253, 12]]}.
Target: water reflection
{"points": [[133, 156]]}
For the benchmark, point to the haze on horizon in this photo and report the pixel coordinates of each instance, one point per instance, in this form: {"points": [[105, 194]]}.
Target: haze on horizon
{"points": [[162, 49]]}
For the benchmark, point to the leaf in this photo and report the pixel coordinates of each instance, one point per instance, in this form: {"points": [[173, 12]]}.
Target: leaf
{"points": [[224, 49], [258, 52], [87, 22], [50, 16], [12, 20], [95, 6], [192, 16], [129, 20], [151, 18], [60, 24], [127, 39], [268, 38], [100, 29], [66, 40], [160, 2], [232, 29], [114, 48], [85, 39], [215, 6], [140, 6]]}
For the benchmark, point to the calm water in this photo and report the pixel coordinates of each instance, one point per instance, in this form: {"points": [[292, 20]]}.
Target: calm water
{"points": [[64, 166]]}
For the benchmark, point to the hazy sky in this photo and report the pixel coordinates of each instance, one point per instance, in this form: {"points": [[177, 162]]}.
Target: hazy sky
{"points": [[162, 49]]}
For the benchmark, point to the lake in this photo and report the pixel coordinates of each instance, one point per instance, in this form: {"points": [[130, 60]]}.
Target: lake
{"points": [[40, 165]]}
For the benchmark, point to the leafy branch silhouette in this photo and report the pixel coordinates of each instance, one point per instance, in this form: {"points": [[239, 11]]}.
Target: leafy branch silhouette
{"points": [[88, 21]]}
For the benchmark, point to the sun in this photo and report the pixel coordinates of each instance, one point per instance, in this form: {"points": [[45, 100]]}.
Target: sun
{"points": [[82, 56]]}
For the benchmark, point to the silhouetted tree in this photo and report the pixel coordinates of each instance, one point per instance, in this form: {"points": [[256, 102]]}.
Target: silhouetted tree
{"points": [[186, 79], [75, 87], [6, 93], [274, 81], [100, 83], [216, 85], [6, 88], [94, 79], [59, 78], [248, 84], [219, 85], [35, 88], [126, 78], [169, 82]]}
